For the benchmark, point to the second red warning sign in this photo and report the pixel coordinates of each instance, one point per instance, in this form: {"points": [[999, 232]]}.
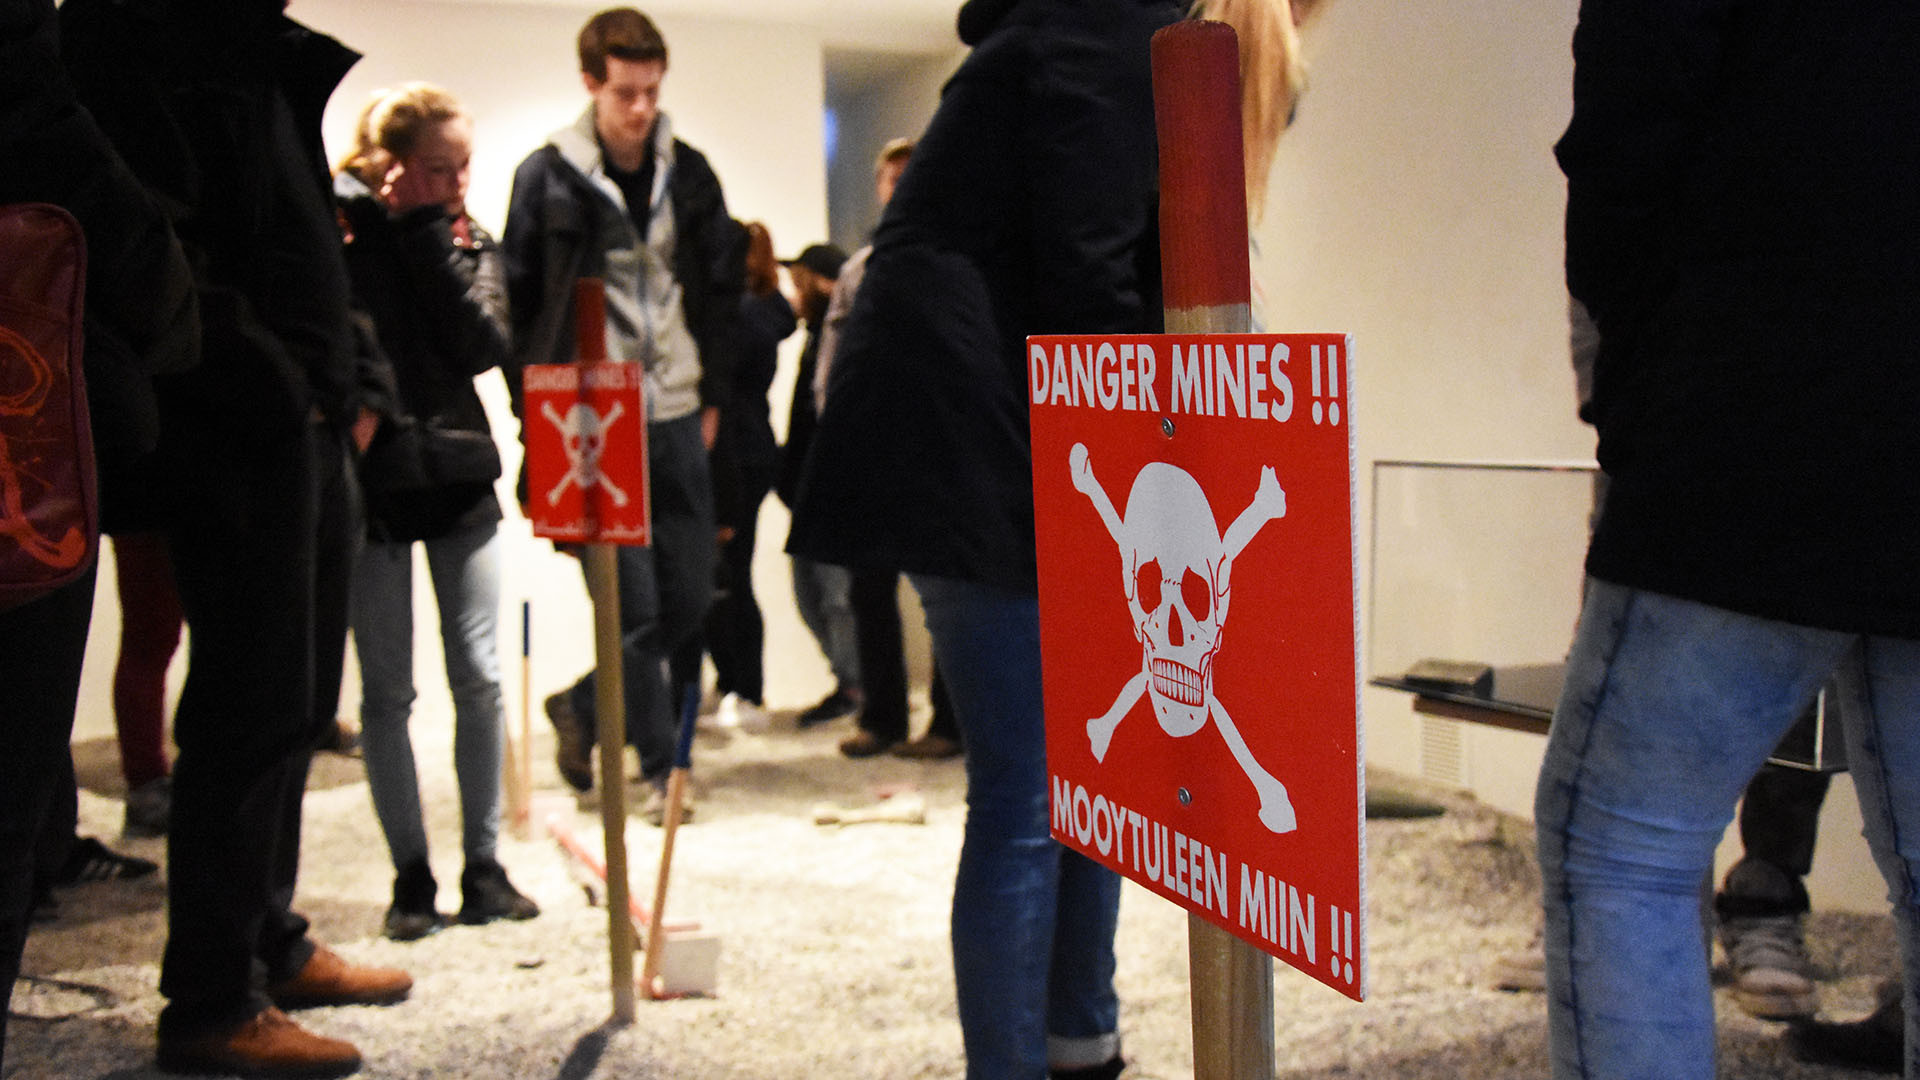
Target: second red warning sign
{"points": [[585, 427]]}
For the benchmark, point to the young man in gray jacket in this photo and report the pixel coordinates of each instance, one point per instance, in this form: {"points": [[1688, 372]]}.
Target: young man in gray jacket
{"points": [[617, 197]]}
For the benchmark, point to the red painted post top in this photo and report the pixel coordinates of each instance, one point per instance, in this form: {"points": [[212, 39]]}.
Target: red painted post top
{"points": [[1203, 191]]}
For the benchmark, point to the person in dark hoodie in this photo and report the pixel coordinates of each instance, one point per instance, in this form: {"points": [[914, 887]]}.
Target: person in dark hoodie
{"points": [[1029, 208], [216, 105], [140, 321]]}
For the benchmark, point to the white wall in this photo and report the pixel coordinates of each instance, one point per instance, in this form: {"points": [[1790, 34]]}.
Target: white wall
{"points": [[895, 101]]}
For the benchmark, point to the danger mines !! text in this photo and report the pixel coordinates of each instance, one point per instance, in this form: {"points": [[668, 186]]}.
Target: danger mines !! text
{"points": [[1247, 379]]}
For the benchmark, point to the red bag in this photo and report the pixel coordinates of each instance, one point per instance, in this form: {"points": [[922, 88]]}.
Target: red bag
{"points": [[49, 518]]}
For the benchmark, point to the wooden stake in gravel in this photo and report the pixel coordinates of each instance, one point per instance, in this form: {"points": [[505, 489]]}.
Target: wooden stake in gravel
{"points": [[657, 932], [609, 690], [1206, 278]]}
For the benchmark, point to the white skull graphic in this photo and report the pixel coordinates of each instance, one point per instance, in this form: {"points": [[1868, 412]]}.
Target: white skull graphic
{"points": [[1175, 592], [584, 438], [583, 433], [1176, 566]]}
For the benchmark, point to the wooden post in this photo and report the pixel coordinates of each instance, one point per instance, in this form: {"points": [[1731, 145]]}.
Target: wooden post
{"points": [[1207, 282], [669, 829], [609, 692], [519, 780]]}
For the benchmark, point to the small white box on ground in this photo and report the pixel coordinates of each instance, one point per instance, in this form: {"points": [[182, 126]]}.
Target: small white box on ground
{"points": [[689, 962]]}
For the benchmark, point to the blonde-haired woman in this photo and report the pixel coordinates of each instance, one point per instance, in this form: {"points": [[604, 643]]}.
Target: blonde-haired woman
{"points": [[432, 280]]}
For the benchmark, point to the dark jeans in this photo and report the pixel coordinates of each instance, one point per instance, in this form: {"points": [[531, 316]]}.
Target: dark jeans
{"points": [[883, 662], [736, 633], [41, 647], [262, 556], [665, 590]]}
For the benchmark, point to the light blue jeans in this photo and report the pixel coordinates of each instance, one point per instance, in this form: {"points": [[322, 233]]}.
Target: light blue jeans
{"points": [[1033, 922], [1670, 707], [465, 568], [823, 593]]}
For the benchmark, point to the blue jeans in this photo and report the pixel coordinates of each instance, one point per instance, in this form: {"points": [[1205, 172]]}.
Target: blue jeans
{"points": [[465, 568], [1033, 922], [824, 594], [1670, 707]]}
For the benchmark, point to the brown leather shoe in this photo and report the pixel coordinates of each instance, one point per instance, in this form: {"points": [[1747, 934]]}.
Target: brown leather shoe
{"points": [[269, 1045], [927, 747], [865, 744], [329, 980]]}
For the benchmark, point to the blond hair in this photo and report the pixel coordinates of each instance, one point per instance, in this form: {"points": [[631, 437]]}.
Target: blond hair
{"points": [[392, 123], [1273, 75]]}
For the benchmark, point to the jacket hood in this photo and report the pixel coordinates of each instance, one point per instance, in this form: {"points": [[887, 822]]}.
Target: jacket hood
{"points": [[579, 144]]}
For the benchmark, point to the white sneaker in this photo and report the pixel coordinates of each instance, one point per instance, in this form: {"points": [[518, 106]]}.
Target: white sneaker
{"points": [[737, 713]]}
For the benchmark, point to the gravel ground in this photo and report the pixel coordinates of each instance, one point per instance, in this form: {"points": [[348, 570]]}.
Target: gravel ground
{"points": [[834, 959]]}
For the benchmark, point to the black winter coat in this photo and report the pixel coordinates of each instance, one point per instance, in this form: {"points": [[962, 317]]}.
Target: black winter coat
{"points": [[216, 106], [1743, 222], [746, 458], [141, 318], [709, 262], [440, 311], [1029, 207]]}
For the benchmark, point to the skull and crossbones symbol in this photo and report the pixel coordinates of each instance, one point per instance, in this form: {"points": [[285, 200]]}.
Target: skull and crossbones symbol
{"points": [[583, 431], [1175, 567]]}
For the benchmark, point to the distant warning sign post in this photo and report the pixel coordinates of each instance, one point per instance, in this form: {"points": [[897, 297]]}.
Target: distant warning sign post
{"points": [[585, 427], [1194, 506]]}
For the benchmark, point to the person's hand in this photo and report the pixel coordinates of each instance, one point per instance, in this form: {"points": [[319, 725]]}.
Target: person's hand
{"points": [[407, 189], [710, 426], [363, 429]]}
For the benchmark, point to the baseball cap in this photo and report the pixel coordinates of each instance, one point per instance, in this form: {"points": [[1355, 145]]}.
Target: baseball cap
{"points": [[822, 259]]}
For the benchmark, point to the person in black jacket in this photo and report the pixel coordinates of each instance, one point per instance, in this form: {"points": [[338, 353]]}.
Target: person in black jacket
{"points": [[216, 105], [746, 460], [433, 282], [1744, 233], [140, 320], [1029, 208], [616, 197]]}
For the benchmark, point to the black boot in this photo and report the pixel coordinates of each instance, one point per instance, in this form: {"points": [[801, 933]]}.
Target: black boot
{"points": [[1876, 1043], [488, 895], [413, 915]]}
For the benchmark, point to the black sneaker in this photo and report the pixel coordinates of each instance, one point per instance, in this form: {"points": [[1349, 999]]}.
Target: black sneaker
{"points": [[413, 915], [91, 860], [488, 895], [842, 702], [1876, 1043]]}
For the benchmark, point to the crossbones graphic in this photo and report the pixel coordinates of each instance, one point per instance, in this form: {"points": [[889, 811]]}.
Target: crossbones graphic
{"points": [[1175, 567], [584, 433]]}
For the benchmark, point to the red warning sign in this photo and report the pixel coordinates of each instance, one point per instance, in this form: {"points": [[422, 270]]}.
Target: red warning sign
{"points": [[1194, 509], [585, 427]]}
